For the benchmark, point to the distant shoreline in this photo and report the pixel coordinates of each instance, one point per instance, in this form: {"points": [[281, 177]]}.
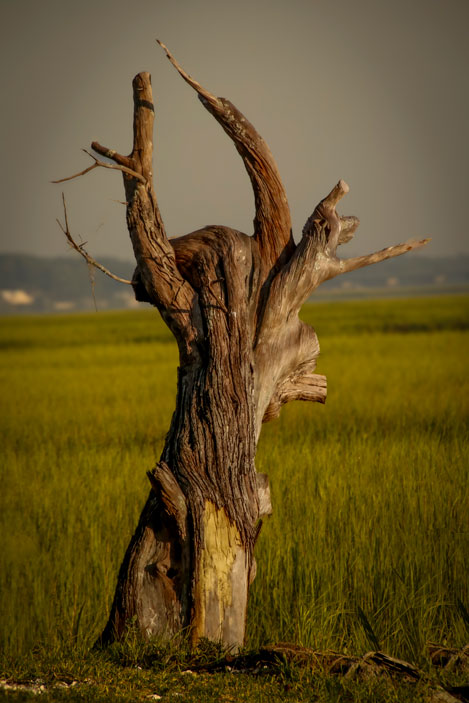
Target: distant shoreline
{"points": [[363, 293]]}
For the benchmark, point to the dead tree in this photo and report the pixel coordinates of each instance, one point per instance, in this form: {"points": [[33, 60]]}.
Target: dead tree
{"points": [[232, 303]]}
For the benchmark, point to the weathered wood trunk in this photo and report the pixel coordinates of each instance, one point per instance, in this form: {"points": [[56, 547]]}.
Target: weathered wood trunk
{"points": [[232, 303], [194, 545]]}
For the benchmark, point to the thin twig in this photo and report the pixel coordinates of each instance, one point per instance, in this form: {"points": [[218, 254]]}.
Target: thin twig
{"points": [[80, 249], [75, 175], [98, 163]]}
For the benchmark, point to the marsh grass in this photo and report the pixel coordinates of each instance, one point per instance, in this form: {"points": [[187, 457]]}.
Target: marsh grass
{"points": [[134, 671], [369, 541]]}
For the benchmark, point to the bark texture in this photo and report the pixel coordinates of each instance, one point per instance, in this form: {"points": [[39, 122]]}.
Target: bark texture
{"points": [[232, 303]]}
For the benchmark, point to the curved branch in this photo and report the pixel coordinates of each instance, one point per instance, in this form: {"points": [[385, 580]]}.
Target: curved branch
{"points": [[272, 222], [80, 249]]}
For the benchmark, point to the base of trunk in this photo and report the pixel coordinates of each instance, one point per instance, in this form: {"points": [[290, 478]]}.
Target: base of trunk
{"points": [[222, 581]]}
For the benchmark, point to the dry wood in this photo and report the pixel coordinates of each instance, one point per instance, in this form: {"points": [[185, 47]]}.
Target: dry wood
{"points": [[449, 658], [370, 665], [232, 302]]}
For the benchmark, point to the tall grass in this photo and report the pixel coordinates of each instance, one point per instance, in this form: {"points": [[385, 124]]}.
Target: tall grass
{"points": [[369, 541]]}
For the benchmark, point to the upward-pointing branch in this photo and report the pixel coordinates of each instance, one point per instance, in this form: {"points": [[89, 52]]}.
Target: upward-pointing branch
{"points": [[272, 222]]}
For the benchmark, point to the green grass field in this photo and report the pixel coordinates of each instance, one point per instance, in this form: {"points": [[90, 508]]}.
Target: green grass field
{"points": [[368, 546]]}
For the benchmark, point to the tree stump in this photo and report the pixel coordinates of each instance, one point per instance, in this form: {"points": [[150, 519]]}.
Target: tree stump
{"points": [[232, 303]]}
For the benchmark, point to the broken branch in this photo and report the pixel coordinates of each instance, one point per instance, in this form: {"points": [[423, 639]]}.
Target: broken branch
{"points": [[326, 211], [112, 154], [310, 387]]}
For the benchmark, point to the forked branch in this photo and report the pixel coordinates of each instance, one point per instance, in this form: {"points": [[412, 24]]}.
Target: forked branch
{"points": [[102, 164], [315, 259]]}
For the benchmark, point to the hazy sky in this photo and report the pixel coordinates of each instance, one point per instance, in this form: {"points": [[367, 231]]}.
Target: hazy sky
{"points": [[372, 91]]}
